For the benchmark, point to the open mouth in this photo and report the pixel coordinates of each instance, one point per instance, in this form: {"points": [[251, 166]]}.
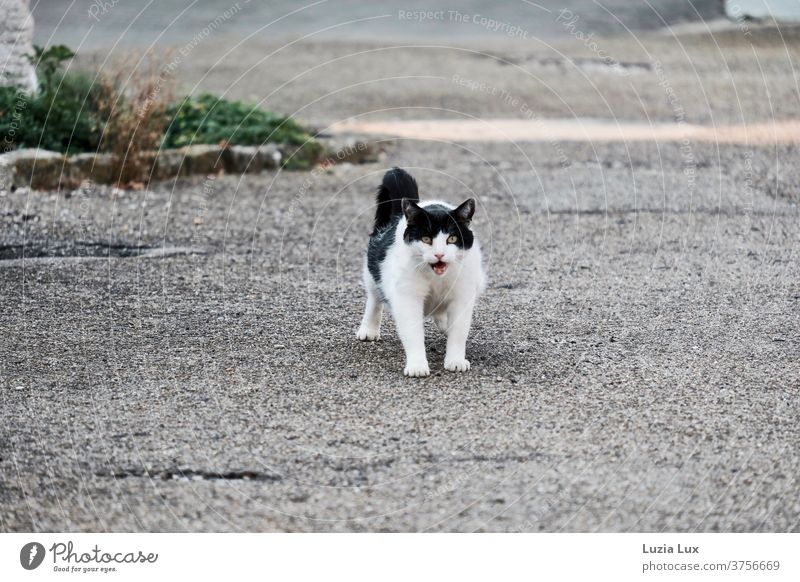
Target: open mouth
{"points": [[439, 267]]}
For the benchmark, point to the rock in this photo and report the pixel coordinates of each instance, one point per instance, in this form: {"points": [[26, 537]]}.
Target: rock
{"points": [[188, 161], [45, 170], [37, 169], [6, 175], [243, 159], [202, 159], [271, 156], [302, 157], [169, 164], [98, 168], [16, 43]]}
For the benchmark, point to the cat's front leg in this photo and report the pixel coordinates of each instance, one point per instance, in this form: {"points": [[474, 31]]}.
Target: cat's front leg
{"points": [[370, 328], [408, 317], [459, 319]]}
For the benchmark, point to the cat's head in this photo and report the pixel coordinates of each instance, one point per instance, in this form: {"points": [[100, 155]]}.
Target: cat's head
{"points": [[438, 235]]}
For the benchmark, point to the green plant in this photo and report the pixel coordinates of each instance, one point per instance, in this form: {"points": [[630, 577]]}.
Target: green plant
{"points": [[61, 116], [210, 119], [72, 112], [129, 115], [66, 118], [48, 63], [54, 120]]}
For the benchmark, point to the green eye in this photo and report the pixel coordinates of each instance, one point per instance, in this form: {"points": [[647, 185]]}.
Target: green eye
{"points": [[452, 239], [426, 240]]}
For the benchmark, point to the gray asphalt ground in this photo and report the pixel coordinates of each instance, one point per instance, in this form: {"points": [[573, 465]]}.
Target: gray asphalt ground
{"points": [[634, 359]]}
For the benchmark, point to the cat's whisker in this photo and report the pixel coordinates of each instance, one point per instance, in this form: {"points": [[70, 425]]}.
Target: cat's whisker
{"points": [[420, 264]]}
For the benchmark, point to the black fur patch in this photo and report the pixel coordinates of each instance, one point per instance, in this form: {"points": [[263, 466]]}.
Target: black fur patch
{"points": [[379, 243], [397, 184], [434, 219]]}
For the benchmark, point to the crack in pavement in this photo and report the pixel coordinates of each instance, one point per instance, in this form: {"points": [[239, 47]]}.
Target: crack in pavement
{"points": [[177, 474], [90, 249]]}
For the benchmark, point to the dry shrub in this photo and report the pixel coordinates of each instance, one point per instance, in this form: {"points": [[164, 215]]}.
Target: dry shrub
{"points": [[134, 102]]}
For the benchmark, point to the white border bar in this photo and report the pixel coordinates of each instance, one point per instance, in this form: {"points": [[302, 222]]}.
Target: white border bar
{"points": [[378, 557]]}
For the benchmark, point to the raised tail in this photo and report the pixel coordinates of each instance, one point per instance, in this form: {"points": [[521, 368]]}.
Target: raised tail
{"points": [[397, 184]]}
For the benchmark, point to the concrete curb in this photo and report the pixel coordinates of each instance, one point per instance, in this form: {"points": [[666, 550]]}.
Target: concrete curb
{"points": [[46, 170]]}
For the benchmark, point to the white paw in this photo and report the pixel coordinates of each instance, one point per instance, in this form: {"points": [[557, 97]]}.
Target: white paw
{"points": [[456, 364], [417, 369], [368, 335]]}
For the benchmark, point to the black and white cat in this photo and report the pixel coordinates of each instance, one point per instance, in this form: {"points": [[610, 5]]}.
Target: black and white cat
{"points": [[423, 261]]}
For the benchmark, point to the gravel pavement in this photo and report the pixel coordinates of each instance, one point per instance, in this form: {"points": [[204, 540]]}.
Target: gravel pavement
{"points": [[183, 358]]}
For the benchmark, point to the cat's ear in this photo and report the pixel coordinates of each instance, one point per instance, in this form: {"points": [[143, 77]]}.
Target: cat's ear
{"points": [[411, 210], [464, 212]]}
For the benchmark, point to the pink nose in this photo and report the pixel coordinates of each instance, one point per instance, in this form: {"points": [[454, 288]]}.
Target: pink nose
{"points": [[438, 255]]}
